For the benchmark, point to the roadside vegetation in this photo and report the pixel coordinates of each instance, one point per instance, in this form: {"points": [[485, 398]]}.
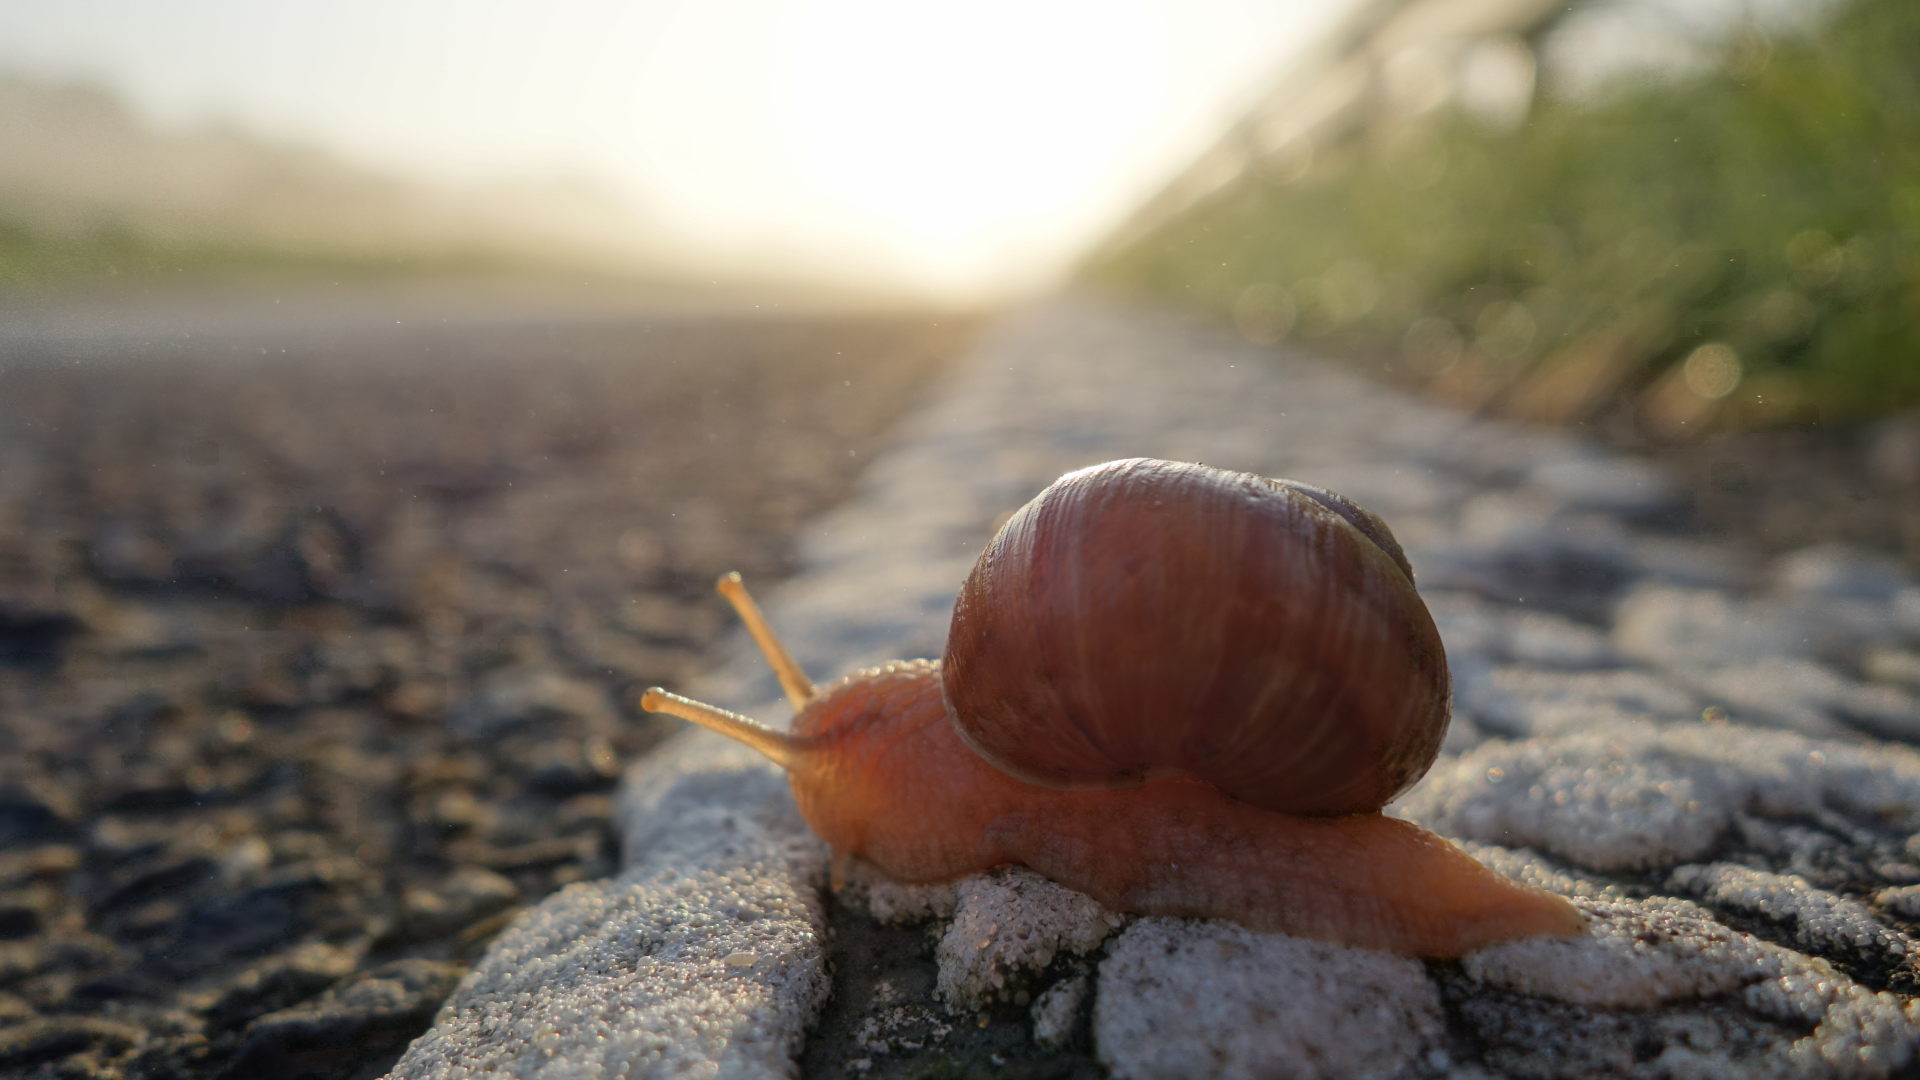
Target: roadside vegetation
{"points": [[37, 259], [1734, 247], [92, 193]]}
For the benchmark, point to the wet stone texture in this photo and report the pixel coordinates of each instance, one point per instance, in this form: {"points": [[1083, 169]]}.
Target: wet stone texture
{"points": [[1708, 753]]}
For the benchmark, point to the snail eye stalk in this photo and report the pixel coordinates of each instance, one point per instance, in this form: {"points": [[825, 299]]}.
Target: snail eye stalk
{"points": [[777, 746], [794, 681]]}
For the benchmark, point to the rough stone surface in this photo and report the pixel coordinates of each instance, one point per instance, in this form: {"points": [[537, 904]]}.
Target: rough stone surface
{"points": [[1056, 1014], [1210, 999], [370, 1018], [702, 957], [1689, 743], [1010, 923]]}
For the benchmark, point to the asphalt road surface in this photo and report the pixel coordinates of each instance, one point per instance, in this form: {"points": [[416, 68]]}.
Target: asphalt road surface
{"points": [[320, 615]]}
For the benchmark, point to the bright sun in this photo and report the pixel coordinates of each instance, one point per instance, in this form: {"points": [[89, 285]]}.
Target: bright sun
{"points": [[964, 141]]}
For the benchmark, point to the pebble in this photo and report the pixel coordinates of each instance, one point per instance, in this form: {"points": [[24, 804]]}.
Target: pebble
{"points": [[363, 1020], [463, 897], [43, 1041], [1056, 1013], [1009, 926], [1618, 487], [30, 812], [276, 983], [1177, 998]]}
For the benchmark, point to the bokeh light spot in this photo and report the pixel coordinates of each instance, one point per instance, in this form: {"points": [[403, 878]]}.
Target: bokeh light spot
{"points": [[1713, 371]]}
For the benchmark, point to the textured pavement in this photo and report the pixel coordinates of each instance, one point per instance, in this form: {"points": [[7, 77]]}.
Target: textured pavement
{"points": [[1710, 754]]}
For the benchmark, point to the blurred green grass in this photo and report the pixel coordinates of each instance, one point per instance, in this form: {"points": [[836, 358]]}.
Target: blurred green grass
{"points": [[33, 259], [1731, 248], [94, 195]]}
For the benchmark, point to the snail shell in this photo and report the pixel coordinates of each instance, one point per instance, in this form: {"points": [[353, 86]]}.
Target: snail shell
{"points": [[1143, 619]]}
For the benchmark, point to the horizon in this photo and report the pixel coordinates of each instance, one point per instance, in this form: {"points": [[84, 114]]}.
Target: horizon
{"points": [[850, 142]]}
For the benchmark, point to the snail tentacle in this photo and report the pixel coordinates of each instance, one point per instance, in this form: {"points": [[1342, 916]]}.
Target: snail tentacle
{"points": [[799, 689], [779, 747]]}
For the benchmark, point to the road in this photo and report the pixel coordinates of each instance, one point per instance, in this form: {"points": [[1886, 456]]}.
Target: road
{"points": [[319, 619], [1683, 735]]}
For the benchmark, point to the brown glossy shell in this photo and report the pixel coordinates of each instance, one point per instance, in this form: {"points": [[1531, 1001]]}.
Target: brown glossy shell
{"points": [[1146, 618]]}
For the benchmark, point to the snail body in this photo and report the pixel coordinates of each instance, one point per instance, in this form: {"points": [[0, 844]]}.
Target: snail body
{"points": [[1179, 690]]}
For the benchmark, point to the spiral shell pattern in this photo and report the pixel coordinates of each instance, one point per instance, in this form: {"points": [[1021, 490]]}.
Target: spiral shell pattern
{"points": [[1142, 619]]}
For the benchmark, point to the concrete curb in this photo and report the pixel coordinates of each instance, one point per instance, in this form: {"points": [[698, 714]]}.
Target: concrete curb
{"points": [[1750, 876]]}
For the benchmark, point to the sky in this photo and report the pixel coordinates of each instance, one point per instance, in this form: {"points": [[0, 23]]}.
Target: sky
{"points": [[956, 148]]}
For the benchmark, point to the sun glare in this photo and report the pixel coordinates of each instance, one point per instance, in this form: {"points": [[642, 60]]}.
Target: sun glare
{"points": [[966, 149], [966, 142]]}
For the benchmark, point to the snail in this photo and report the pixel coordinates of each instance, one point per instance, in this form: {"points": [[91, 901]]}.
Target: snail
{"points": [[1180, 690]]}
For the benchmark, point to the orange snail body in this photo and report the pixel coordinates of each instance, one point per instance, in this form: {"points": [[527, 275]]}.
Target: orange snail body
{"points": [[1116, 731]]}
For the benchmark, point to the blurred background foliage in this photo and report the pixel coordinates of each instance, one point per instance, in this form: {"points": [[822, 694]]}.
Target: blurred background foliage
{"points": [[91, 192], [1730, 245]]}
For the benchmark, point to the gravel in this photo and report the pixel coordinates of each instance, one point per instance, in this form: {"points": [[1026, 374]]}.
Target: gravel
{"points": [[316, 666]]}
